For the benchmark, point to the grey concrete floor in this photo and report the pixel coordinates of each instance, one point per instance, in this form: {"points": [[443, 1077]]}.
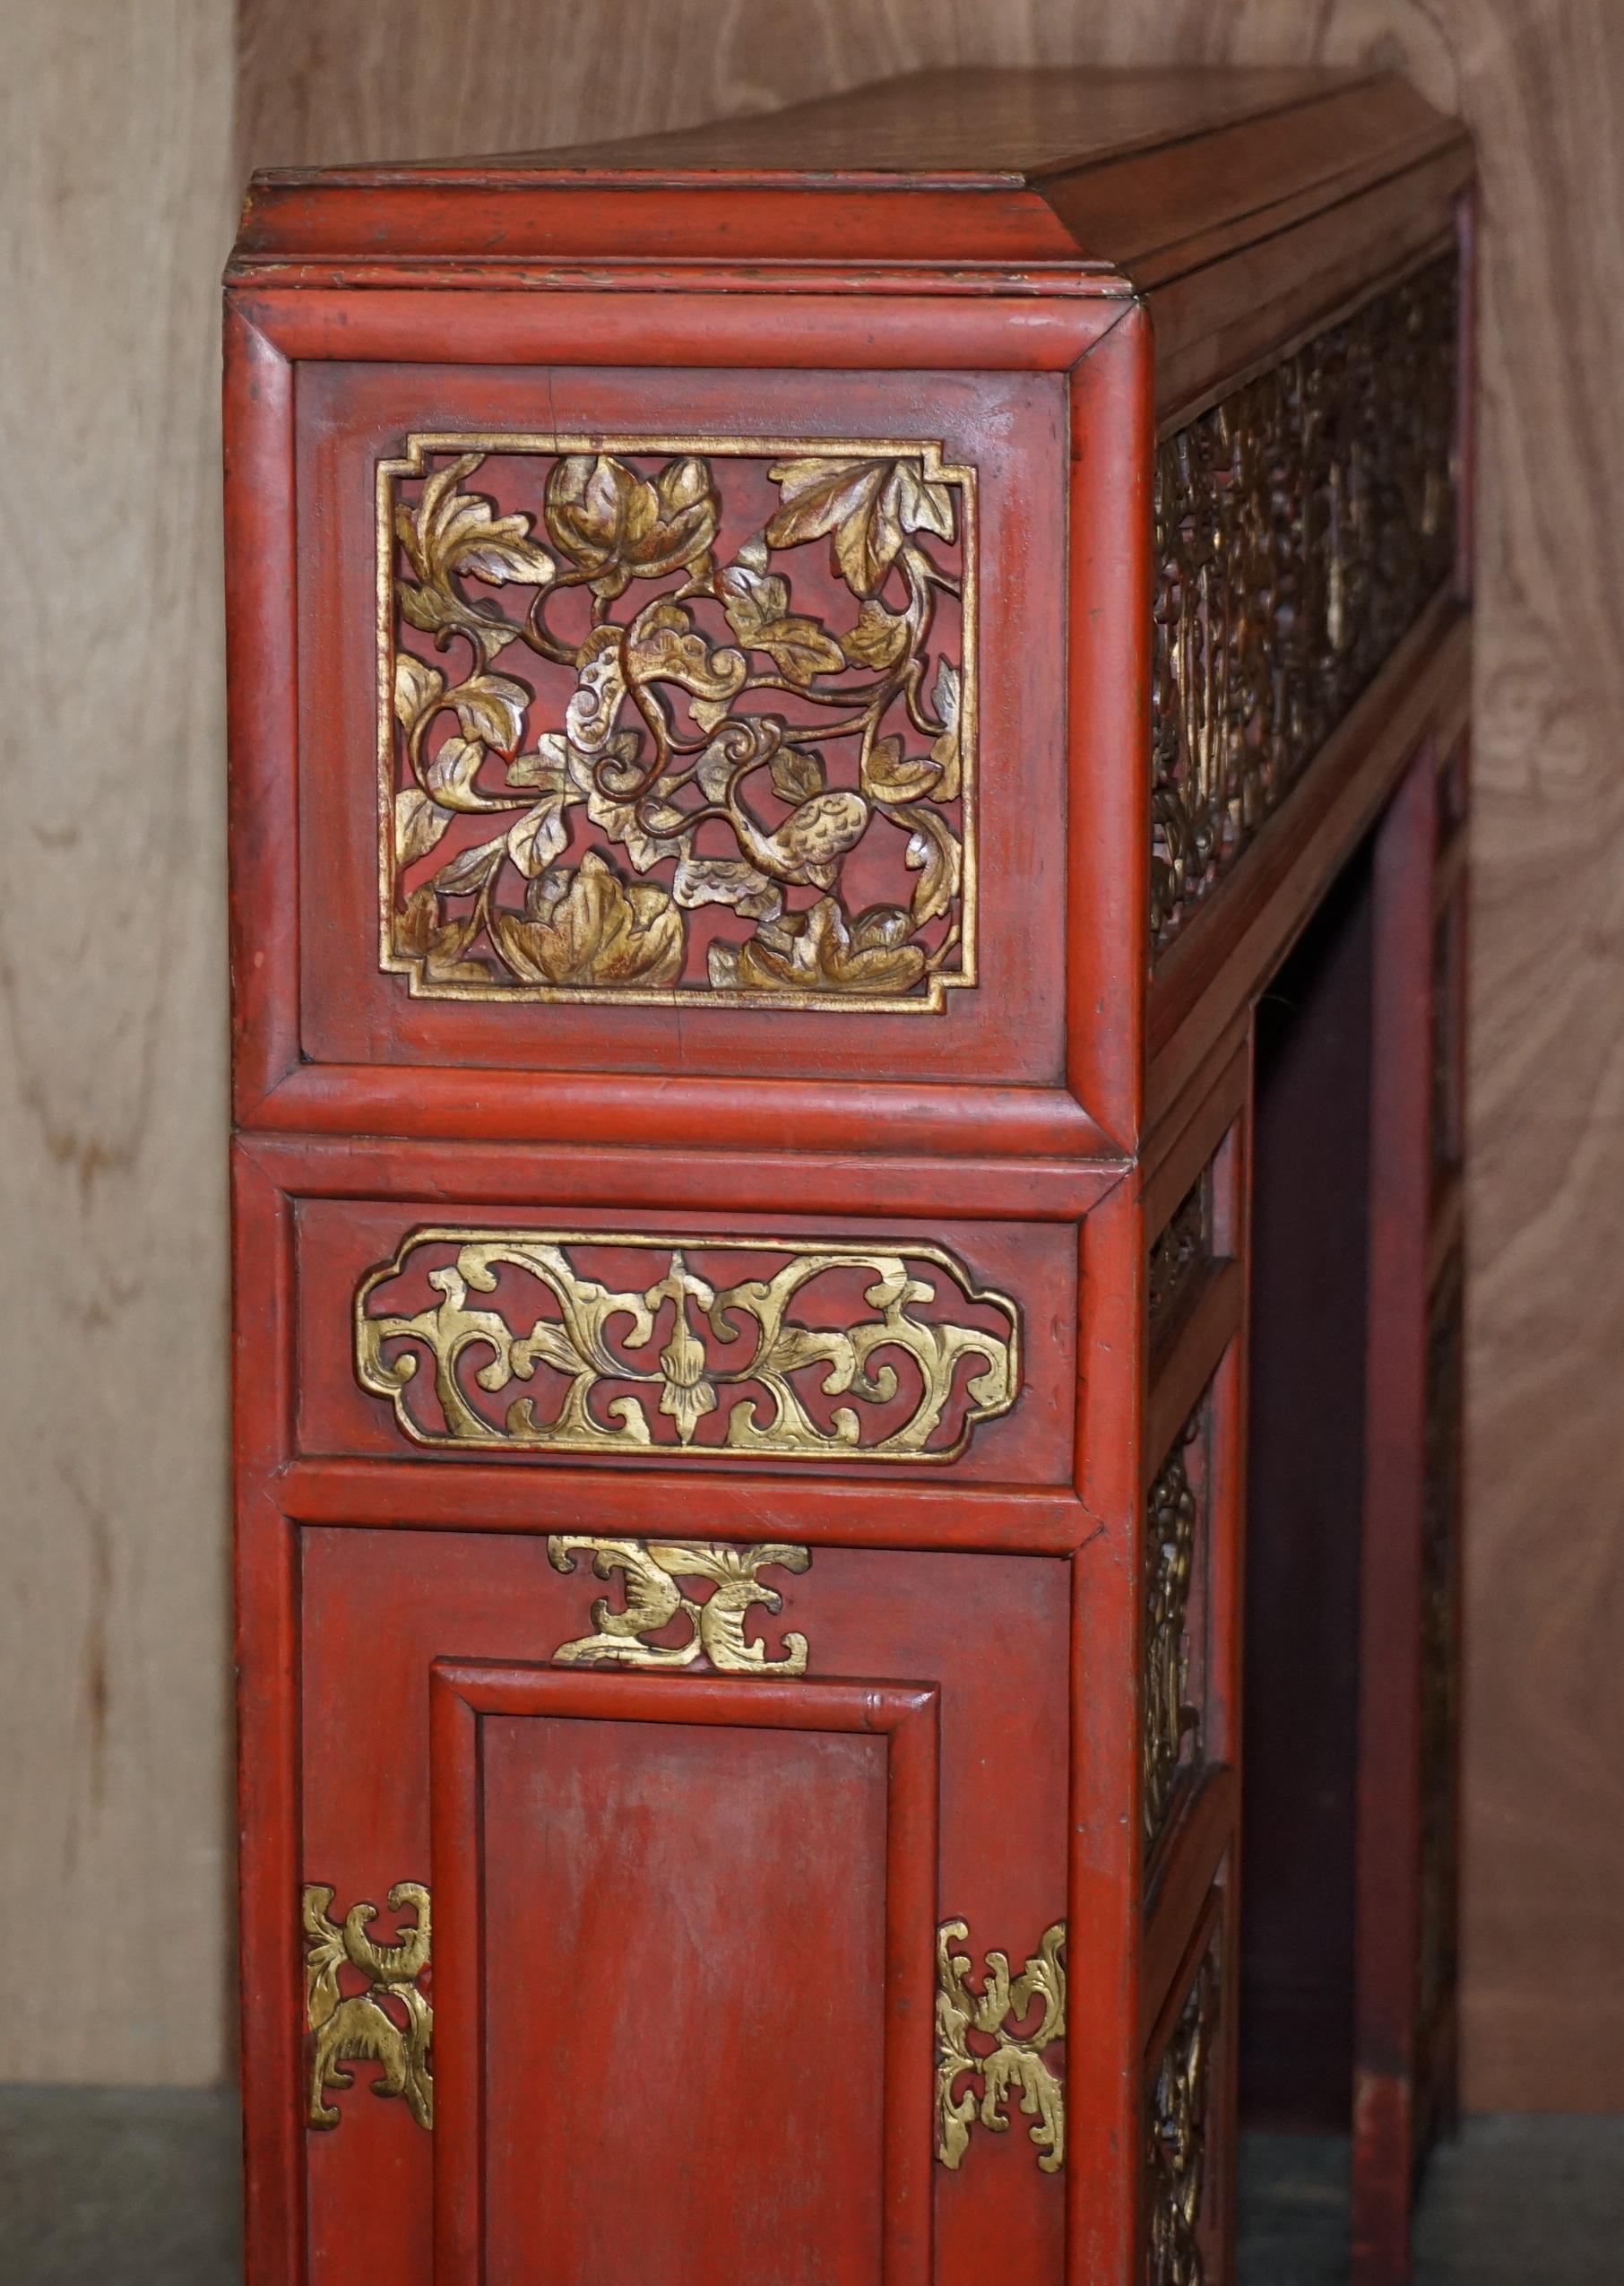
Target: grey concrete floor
{"points": [[1512, 2201], [135, 2187]]}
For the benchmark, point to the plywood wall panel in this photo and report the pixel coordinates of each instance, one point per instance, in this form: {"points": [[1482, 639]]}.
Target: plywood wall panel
{"points": [[114, 1674]]}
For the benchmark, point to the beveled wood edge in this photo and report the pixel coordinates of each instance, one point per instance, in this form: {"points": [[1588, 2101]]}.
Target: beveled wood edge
{"points": [[1222, 318], [1181, 1904], [593, 162], [1024, 324], [1212, 1322], [1194, 1132], [1171, 417], [1449, 871], [1070, 278], [1217, 965], [687, 1176], [877, 1509], [1446, 1232]]}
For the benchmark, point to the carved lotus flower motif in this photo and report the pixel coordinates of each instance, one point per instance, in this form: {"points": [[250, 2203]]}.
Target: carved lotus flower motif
{"points": [[688, 1394], [598, 931], [816, 951], [618, 526]]}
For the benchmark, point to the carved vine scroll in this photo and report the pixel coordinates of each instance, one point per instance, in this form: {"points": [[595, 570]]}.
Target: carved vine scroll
{"points": [[1302, 527], [976, 2082], [645, 736], [389, 2022], [685, 1363], [653, 1572]]}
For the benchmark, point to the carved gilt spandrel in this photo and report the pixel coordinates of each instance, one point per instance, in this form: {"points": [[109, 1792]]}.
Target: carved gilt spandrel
{"points": [[1302, 525], [712, 1348], [992, 2045], [678, 719], [711, 1627], [388, 2020]]}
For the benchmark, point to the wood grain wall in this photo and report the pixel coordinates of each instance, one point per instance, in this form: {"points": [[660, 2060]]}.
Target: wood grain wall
{"points": [[114, 1696], [113, 1646]]}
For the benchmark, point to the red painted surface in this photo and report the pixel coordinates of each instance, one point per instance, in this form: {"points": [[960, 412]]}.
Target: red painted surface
{"points": [[683, 1969], [741, 1880]]}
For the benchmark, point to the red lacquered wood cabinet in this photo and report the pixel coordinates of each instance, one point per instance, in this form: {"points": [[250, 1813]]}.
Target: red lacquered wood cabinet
{"points": [[794, 689]]}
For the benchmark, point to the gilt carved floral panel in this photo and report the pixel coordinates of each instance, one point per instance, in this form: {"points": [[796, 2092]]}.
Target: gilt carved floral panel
{"points": [[1177, 2158], [677, 719], [1172, 1740], [704, 1348], [1302, 525]]}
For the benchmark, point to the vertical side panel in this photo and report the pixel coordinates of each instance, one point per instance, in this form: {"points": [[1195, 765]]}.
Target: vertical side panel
{"points": [[686, 1964], [1112, 448], [266, 1644], [262, 716], [1388, 1878], [1109, 707], [1106, 1877], [682, 1935]]}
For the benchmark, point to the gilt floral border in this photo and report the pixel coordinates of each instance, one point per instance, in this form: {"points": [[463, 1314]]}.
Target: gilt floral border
{"points": [[699, 792]]}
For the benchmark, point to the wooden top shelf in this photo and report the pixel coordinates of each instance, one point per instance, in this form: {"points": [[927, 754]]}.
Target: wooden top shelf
{"points": [[1137, 174]]}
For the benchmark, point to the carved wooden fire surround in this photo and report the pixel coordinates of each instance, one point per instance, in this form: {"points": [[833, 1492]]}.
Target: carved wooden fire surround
{"points": [[791, 688]]}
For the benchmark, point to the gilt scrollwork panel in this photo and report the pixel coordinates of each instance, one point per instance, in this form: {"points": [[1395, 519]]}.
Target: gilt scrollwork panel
{"points": [[366, 2002], [840, 1352], [1302, 525], [642, 738], [991, 2045]]}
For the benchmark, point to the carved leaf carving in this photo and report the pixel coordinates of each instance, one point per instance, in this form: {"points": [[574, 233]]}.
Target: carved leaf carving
{"points": [[387, 2022], [730, 744], [652, 1573], [1016, 2065], [1302, 525], [597, 931]]}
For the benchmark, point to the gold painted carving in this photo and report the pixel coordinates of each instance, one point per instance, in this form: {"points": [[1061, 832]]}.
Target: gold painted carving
{"points": [[1176, 2136], [391, 2023], [707, 1341], [684, 733], [1302, 527], [974, 2084], [652, 1572], [1172, 1513]]}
